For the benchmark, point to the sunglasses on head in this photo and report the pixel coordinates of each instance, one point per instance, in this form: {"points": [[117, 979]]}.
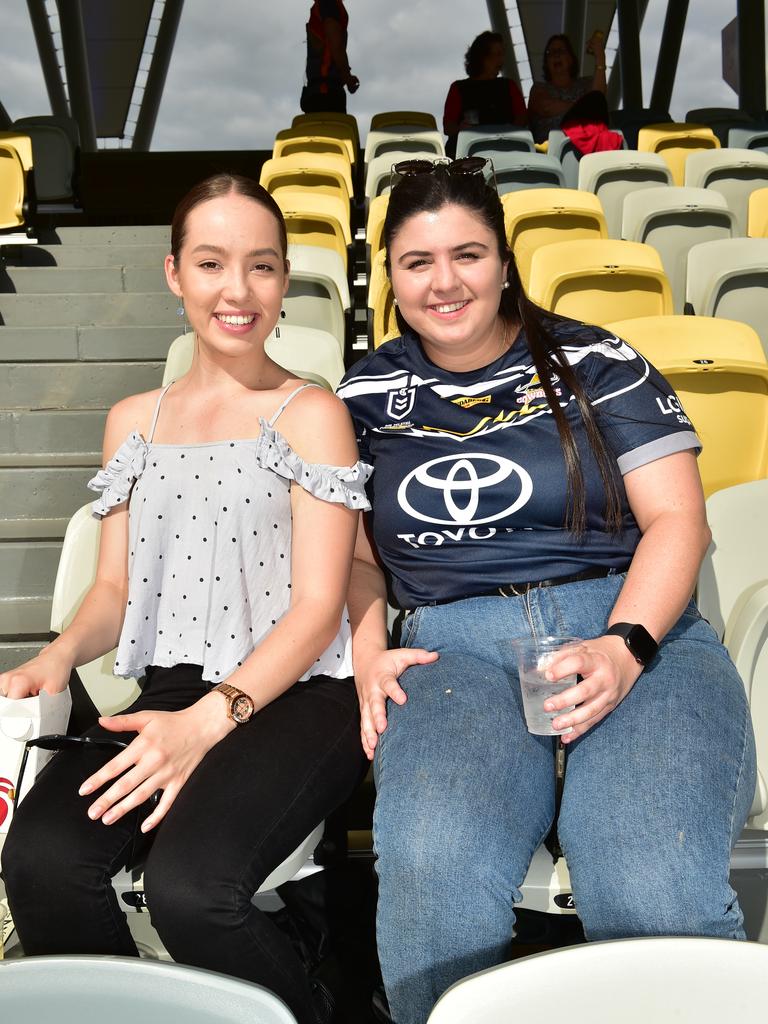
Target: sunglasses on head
{"points": [[464, 166]]}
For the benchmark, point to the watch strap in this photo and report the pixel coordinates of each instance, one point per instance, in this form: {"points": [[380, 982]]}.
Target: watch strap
{"points": [[638, 640]]}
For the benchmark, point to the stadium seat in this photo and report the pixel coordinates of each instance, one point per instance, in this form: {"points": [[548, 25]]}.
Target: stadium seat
{"points": [[629, 122], [347, 122], [735, 173], [675, 142], [720, 119], [672, 219], [381, 303], [313, 218], [304, 351], [516, 170], [681, 979], [123, 990], [374, 226], [403, 120], [329, 173], [757, 214], [536, 217], [490, 140], [12, 188], [678, 339], [387, 140], [293, 141], [318, 291], [755, 137], [55, 159], [612, 176], [730, 279], [379, 170], [561, 148], [599, 280]]}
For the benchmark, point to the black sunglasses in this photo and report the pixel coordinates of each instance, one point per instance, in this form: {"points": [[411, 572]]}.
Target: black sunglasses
{"points": [[466, 165]]}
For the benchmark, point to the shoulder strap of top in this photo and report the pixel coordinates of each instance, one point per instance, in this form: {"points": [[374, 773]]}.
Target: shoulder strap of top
{"points": [[157, 412], [290, 398]]}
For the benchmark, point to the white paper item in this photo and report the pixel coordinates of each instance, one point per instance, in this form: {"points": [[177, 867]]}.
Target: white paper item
{"points": [[22, 720]]}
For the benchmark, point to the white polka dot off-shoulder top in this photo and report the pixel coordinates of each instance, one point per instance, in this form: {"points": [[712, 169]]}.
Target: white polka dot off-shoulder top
{"points": [[209, 570]]}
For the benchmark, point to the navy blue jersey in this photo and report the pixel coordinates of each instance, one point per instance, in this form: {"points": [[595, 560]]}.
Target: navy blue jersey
{"points": [[469, 486]]}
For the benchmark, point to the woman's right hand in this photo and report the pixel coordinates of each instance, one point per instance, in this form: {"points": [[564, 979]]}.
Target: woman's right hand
{"points": [[379, 680], [49, 671]]}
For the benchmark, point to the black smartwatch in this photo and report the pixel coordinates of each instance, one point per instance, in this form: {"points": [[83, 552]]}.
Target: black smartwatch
{"points": [[639, 641]]}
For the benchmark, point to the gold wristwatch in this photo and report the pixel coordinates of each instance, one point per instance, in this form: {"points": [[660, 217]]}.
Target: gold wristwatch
{"points": [[240, 707]]}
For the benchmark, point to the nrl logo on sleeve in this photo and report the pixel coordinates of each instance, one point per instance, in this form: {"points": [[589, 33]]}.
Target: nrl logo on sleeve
{"points": [[467, 401], [400, 402]]}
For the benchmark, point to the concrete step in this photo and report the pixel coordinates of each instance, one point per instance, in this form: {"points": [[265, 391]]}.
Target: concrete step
{"points": [[59, 280], [133, 234], [93, 255], [100, 344], [30, 438], [145, 279], [15, 652], [32, 386], [85, 309], [37, 502], [27, 576]]}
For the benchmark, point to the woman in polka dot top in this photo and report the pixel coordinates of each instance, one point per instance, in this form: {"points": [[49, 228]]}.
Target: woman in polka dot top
{"points": [[226, 544]]}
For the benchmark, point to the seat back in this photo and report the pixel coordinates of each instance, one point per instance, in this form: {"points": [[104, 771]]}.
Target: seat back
{"points": [[312, 218], [720, 119], [672, 219], [54, 159], [667, 340], [734, 173], [704, 980], [755, 137], [12, 181], [379, 170], [537, 217], [390, 140], [561, 148], [374, 225], [381, 303], [318, 292], [487, 141], [304, 351], [317, 122], [325, 138], [599, 280], [329, 173], [74, 577], [403, 120], [675, 143], [757, 213], [612, 176], [518, 170], [729, 279]]}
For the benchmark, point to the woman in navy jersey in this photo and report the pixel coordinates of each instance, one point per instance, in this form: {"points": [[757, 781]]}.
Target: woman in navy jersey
{"points": [[532, 476]]}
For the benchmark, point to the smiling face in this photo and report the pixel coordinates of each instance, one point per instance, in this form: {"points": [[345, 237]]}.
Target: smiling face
{"points": [[559, 60], [447, 276], [231, 273]]}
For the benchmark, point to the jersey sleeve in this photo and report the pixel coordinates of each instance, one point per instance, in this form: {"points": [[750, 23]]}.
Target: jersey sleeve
{"points": [[637, 410]]}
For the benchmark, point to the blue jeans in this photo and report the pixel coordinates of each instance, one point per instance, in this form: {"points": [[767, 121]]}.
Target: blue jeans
{"points": [[655, 795]]}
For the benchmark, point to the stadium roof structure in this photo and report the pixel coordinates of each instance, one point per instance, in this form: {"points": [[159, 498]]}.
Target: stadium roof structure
{"points": [[105, 61]]}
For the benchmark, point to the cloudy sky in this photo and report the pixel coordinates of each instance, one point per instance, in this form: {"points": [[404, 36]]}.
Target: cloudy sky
{"points": [[238, 65]]}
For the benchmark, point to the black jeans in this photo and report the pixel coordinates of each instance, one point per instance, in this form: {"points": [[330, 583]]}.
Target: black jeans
{"points": [[314, 101], [254, 797]]}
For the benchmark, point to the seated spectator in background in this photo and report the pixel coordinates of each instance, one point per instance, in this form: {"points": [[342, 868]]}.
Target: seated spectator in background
{"points": [[328, 70], [563, 99], [482, 97]]}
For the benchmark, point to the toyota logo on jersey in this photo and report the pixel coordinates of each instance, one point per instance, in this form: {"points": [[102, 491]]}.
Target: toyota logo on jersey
{"points": [[453, 486]]}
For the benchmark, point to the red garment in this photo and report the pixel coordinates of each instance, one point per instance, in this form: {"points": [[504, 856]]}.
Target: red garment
{"points": [[592, 138]]}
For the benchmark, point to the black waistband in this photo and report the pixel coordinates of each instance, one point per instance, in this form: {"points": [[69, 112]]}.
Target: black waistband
{"points": [[520, 589]]}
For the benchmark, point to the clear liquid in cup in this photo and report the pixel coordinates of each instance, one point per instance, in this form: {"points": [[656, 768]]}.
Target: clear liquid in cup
{"points": [[536, 689]]}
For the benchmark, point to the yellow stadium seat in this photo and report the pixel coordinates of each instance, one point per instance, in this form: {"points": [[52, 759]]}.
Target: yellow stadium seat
{"points": [[312, 123], [328, 138], [323, 172], [677, 339], [675, 142], [757, 218], [374, 227], [538, 216], [403, 120], [313, 218], [12, 187], [381, 303], [600, 280], [727, 402], [23, 146]]}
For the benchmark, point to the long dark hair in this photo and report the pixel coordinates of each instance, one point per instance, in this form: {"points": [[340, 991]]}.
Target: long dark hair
{"points": [[478, 50], [569, 47], [213, 188], [430, 192]]}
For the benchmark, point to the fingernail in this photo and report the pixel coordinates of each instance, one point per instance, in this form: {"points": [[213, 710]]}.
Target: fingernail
{"points": [[93, 812], [548, 705], [108, 818], [85, 789]]}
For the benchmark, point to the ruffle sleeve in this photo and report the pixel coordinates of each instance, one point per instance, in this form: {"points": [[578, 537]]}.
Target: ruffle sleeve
{"points": [[340, 484], [119, 475]]}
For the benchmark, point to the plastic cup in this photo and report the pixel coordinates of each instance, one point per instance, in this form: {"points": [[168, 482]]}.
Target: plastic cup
{"points": [[534, 656]]}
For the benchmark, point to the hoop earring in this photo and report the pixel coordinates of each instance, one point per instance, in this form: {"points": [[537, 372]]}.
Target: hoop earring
{"points": [[277, 325]]}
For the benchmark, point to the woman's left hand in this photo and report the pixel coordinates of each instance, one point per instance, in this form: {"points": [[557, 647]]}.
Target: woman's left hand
{"points": [[168, 747], [608, 672]]}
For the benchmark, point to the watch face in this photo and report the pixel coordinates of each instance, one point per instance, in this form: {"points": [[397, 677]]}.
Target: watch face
{"points": [[642, 644], [242, 709]]}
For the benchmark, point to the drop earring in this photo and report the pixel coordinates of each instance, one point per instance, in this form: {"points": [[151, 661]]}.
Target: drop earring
{"points": [[181, 313], [277, 325], [504, 285]]}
